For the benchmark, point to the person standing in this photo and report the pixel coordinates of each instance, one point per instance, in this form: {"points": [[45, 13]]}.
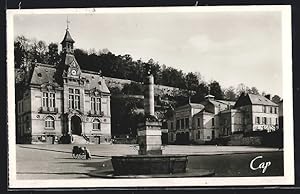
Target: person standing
{"points": [[87, 154]]}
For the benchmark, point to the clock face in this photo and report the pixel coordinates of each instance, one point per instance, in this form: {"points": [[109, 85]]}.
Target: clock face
{"points": [[73, 72]]}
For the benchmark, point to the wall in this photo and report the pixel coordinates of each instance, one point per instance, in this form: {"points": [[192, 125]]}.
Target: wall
{"points": [[249, 141], [38, 119], [236, 121], [105, 130], [225, 123], [185, 112], [271, 118], [158, 89], [247, 117], [205, 128]]}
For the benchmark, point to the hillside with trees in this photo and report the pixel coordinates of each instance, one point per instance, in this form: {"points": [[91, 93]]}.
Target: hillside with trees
{"points": [[124, 67]]}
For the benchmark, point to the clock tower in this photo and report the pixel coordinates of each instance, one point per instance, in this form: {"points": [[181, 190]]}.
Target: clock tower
{"points": [[71, 69], [67, 42]]}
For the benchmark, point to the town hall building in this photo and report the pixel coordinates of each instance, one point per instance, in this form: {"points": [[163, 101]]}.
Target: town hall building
{"points": [[63, 103]]}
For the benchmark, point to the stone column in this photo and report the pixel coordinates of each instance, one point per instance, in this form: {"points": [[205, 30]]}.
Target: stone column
{"points": [[149, 95], [149, 132], [149, 138], [69, 126]]}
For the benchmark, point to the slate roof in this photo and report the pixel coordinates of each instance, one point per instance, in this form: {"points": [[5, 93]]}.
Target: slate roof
{"points": [[203, 111], [44, 73], [218, 104], [69, 59], [227, 102], [95, 81], [260, 100], [253, 99], [196, 105], [67, 37], [191, 105]]}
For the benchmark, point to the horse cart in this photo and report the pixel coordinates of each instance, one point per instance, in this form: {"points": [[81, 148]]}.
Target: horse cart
{"points": [[78, 152]]}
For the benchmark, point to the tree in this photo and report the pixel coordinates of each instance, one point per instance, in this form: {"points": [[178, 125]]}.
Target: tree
{"points": [[173, 77], [253, 90], [103, 51], [133, 89], [53, 57], [124, 115], [115, 91], [276, 99], [201, 92], [191, 81], [230, 94], [242, 88], [39, 50], [155, 70], [22, 47], [215, 89]]}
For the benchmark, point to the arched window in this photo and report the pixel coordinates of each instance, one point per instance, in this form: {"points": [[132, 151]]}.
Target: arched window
{"points": [[49, 122], [96, 124]]}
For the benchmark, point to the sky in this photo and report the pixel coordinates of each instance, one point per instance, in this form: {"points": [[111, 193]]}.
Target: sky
{"points": [[229, 47]]}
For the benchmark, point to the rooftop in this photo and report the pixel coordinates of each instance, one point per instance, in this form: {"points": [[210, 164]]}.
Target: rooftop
{"points": [[260, 100], [67, 37], [253, 99]]}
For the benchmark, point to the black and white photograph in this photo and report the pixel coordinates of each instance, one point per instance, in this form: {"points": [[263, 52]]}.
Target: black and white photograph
{"points": [[150, 97]]}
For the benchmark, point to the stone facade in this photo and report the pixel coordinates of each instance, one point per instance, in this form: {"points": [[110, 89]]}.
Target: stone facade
{"points": [[181, 124], [204, 127], [259, 113], [231, 121], [57, 102], [211, 119]]}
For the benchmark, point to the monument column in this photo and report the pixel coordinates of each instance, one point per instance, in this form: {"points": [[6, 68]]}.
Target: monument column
{"points": [[149, 95], [149, 132]]}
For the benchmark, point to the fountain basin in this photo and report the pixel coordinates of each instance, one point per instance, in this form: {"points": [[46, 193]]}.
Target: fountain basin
{"points": [[149, 164]]}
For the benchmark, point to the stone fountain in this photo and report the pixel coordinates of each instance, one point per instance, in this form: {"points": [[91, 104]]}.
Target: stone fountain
{"points": [[150, 161]]}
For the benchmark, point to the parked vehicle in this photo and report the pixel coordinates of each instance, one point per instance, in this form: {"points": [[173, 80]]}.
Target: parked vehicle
{"points": [[78, 152]]}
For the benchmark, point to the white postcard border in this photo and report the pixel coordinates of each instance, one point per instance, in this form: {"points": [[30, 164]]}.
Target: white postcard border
{"points": [[287, 179]]}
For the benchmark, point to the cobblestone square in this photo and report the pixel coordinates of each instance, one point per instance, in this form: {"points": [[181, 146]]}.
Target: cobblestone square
{"points": [[56, 162]]}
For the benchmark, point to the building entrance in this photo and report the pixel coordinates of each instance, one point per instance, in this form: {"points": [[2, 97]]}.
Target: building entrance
{"points": [[76, 125]]}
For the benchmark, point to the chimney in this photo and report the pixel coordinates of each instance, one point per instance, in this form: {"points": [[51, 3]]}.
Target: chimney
{"points": [[268, 96]]}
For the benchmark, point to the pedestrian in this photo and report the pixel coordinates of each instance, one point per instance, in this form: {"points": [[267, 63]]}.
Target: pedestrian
{"points": [[88, 154]]}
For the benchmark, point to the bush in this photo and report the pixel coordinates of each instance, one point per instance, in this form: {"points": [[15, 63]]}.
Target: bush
{"points": [[255, 133], [238, 132], [222, 141]]}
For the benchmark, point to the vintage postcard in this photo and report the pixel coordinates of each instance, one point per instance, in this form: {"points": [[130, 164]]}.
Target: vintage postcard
{"points": [[150, 97]]}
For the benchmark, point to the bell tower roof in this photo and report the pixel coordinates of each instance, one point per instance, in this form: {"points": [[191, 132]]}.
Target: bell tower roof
{"points": [[67, 37], [68, 43]]}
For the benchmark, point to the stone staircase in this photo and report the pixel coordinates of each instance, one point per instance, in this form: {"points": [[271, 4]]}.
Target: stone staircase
{"points": [[77, 139]]}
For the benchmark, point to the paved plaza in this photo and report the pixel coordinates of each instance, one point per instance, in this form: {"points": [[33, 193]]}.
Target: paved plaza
{"points": [[56, 162]]}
